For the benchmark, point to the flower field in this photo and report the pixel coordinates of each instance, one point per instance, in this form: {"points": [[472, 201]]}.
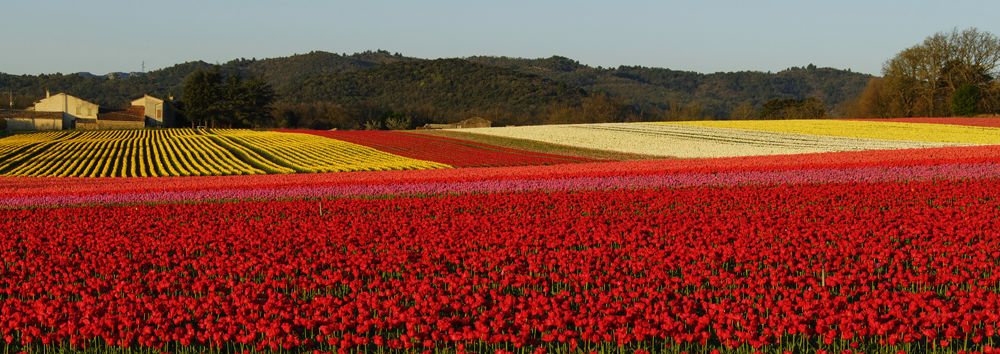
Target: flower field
{"points": [[454, 152], [882, 165], [187, 152], [787, 267], [975, 122], [703, 139], [813, 246], [870, 129]]}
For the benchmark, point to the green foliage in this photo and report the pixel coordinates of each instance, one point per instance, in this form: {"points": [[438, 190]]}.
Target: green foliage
{"points": [[233, 103], [398, 121], [790, 108], [965, 100], [202, 97], [442, 91], [249, 102], [658, 94], [327, 90], [744, 110], [933, 78]]}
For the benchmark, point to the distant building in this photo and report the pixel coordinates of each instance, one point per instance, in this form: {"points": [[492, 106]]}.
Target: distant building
{"points": [[62, 111], [18, 120], [71, 107], [474, 122], [158, 113]]}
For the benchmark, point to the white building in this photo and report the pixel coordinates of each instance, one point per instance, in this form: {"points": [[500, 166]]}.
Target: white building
{"points": [[157, 112], [71, 107]]}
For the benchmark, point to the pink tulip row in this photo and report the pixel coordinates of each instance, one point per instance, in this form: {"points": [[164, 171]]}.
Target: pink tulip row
{"points": [[667, 179]]}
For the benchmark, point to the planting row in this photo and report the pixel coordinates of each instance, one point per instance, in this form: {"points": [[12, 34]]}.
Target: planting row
{"points": [[188, 152], [891, 130], [920, 164], [694, 141], [454, 152]]}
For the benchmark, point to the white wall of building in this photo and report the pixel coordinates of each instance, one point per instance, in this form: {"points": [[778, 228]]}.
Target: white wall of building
{"points": [[154, 108], [29, 124], [72, 107]]}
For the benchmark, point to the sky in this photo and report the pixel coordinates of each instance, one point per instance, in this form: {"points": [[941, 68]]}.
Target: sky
{"points": [[98, 36]]}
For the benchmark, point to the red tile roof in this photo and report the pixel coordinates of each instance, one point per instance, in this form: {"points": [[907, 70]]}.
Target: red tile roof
{"points": [[131, 114]]}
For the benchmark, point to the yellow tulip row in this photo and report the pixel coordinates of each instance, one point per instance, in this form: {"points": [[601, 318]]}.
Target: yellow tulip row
{"points": [[13, 144], [188, 152], [311, 153], [128, 153], [896, 131]]}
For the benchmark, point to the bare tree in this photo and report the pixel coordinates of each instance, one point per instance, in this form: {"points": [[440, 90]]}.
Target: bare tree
{"points": [[921, 79]]}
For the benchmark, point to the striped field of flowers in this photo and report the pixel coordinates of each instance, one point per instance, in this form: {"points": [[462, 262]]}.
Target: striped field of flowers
{"points": [[188, 152], [691, 140], [881, 130]]}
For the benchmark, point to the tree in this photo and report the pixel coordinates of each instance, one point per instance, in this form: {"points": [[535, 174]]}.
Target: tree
{"points": [[202, 96], [211, 99], [397, 121], [922, 80], [744, 110], [965, 100], [249, 102], [790, 108]]}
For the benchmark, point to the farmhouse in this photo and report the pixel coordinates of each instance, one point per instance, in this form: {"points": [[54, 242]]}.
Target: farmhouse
{"points": [[70, 108], [63, 111]]}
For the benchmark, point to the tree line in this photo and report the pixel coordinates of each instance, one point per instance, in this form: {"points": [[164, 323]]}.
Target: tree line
{"points": [[948, 74], [382, 89]]}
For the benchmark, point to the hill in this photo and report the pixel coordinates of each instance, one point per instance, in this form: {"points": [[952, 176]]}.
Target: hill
{"points": [[717, 94], [325, 90]]}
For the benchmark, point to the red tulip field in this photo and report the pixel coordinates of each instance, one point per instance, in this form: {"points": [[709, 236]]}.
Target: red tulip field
{"points": [[454, 152], [844, 252]]}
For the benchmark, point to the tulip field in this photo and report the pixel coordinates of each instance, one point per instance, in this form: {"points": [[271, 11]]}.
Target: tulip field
{"points": [[454, 152], [794, 242], [187, 152]]}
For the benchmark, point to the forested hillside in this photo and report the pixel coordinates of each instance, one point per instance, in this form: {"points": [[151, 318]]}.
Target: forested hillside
{"points": [[327, 90]]}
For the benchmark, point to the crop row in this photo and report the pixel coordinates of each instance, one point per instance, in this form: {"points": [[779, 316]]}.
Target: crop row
{"points": [[310, 153], [914, 164], [974, 122], [187, 152], [889, 129], [693, 141], [754, 265], [454, 152]]}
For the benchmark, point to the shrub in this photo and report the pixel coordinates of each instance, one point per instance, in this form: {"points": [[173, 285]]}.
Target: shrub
{"points": [[964, 100]]}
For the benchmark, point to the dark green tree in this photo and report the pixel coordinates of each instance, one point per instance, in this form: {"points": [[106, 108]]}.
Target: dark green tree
{"points": [[965, 100], [790, 108], [211, 99], [202, 96], [255, 104]]}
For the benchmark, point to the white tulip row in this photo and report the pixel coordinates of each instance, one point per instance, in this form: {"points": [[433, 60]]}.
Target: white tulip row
{"points": [[670, 140]]}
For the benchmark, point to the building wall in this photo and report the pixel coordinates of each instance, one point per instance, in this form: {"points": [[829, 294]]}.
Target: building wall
{"points": [[114, 124], [71, 107], [27, 124], [157, 111], [475, 123], [86, 125]]}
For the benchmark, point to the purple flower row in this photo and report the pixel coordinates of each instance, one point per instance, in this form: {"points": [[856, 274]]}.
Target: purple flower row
{"points": [[822, 175]]}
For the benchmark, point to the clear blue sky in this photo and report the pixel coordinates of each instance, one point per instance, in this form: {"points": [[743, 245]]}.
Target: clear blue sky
{"points": [[706, 36]]}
